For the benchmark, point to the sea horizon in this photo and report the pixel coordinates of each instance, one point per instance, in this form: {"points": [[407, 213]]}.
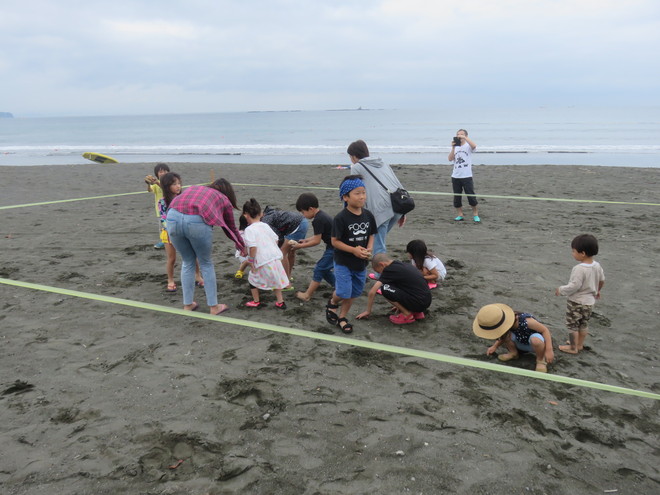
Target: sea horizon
{"points": [[613, 136]]}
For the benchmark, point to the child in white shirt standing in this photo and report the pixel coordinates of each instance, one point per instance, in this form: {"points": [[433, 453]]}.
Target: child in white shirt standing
{"points": [[583, 288]]}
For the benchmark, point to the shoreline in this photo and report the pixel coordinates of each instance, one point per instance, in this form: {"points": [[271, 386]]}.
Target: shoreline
{"points": [[105, 398]]}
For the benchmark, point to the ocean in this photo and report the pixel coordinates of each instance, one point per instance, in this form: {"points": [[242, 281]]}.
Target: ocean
{"points": [[622, 137]]}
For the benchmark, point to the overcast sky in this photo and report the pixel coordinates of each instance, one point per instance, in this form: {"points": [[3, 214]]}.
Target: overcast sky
{"points": [[65, 57]]}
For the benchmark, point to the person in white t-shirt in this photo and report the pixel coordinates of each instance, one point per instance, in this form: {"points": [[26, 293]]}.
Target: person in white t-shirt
{"points": [[461, 178]]}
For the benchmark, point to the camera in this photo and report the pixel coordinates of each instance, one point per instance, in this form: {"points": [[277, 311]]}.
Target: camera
{"points": [[457, 141]]}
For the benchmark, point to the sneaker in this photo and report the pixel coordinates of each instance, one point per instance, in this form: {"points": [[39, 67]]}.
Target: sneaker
{"points": [[159, 245], [255, 304], [432, 285], [419, 316], [281, 305], [373, 276], [402, 319], [239, 274], [458, 219], [477, 219]]}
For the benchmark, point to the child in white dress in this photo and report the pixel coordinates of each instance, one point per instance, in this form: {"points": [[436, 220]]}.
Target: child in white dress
{"points": [[426, 262], [264, 256]]}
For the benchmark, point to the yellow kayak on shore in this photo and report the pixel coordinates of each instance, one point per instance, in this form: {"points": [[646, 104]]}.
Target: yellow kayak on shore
{"points": [[99, 158]]}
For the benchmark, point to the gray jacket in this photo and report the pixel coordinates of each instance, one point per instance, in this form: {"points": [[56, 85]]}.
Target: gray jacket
{"points": [[378, 199]]}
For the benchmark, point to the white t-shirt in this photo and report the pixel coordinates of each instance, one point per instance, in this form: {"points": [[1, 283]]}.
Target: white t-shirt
{"points": [[462, 161], [583, 285], [431, 262]]}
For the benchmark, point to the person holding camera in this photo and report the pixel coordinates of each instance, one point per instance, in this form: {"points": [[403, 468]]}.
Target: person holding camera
{"points": [[461, 178]]}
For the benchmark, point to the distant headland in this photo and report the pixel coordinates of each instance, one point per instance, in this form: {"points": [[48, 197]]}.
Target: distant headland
{"points": [[6, 115]]}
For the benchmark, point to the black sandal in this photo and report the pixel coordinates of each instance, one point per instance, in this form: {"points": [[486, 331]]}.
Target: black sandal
{"points": [[347, 328], [331, 316]]}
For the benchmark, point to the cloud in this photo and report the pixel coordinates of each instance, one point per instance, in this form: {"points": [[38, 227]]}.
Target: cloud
{"points": [[228, 55]]}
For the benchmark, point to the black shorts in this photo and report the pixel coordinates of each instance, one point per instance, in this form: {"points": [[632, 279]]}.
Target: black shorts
{"points": [[411, 302]]}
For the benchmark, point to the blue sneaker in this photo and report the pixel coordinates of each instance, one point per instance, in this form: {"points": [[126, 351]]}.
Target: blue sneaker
{"points": [[159, 245], [477, 219]]}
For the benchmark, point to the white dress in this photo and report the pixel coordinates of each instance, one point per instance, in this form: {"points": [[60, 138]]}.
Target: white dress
{"points": [[267, 271]]}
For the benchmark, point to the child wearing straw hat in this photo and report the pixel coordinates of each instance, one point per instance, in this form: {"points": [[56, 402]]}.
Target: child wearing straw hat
{"points": [[516, 331]]}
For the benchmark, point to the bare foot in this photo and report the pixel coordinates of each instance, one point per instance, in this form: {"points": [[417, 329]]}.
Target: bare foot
{"points": [[302, 296], [568, 349], [568, 343]]}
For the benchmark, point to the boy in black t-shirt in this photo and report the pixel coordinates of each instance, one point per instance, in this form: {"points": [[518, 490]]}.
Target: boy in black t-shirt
{"points": [[353, 232], [403, 285], [308, 205]]}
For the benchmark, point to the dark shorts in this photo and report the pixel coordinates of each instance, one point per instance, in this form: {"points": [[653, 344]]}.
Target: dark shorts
{"points": [[324, 268], [461, 185], [411, 303]]}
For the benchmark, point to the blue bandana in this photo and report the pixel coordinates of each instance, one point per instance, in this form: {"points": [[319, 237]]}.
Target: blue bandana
{"points": [[348, 185]]}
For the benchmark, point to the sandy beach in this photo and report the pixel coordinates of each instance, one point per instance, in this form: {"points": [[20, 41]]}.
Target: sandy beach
{"points": [[105, 398]]}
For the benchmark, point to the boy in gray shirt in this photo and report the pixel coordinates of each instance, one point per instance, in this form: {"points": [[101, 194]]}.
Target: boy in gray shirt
{"points": [[583, 288]]}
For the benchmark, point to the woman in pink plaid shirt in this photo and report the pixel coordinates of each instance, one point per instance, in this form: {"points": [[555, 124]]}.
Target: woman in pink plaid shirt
{"points": [[190, 221]]}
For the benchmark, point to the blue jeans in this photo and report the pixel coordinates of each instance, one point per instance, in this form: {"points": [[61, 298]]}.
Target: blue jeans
{"points": [[300, 232], [324, 268], [383, 229], [193, 238]]}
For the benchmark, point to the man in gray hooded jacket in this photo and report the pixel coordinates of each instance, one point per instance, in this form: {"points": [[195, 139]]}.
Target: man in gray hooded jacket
{"points": [[378, 199]]}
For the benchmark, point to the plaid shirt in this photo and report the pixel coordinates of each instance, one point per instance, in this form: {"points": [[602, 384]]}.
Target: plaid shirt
{"points": [[212, 206]]}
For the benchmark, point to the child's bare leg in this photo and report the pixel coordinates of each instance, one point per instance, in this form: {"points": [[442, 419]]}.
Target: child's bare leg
{"points": [[573, 343], [307, 295], [582, 335], [399, 307], [255, 294], [286, 249], [538, 346], [292, 261], [511, 347], [171, 261], [345, 326], [278, 295]]}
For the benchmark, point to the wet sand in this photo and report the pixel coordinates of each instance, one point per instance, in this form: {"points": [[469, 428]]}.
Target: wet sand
{"points": [[103, 398]]}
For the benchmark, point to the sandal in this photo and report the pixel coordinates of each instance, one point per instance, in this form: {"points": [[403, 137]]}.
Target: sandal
{"points": [[542, 366], [254, 304], [280, 305], [347, 328], [331, 316], [171, 287], [199, 284]]}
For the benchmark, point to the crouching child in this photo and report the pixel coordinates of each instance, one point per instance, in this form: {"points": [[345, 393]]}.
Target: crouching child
{"points": [[403, 286]]}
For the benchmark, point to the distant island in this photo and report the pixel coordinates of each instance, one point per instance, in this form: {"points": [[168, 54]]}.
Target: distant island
{"points": [[6, 115]]}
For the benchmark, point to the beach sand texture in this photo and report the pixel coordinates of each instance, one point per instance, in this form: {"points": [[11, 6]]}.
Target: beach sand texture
{"points": [[105, 398]]}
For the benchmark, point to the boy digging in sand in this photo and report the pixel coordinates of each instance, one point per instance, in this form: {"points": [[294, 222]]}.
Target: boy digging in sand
{"points": [[583, 288], [403, 286]]}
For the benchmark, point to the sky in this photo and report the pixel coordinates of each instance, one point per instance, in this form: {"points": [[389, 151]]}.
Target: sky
{"points": [[119, 57]]}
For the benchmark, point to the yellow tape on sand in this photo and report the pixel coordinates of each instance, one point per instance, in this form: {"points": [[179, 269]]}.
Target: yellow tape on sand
{"points": [[308, 187], [338, 340]]}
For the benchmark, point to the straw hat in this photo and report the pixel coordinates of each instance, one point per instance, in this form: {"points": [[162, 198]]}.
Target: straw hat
{"points": [[493, 321]]}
